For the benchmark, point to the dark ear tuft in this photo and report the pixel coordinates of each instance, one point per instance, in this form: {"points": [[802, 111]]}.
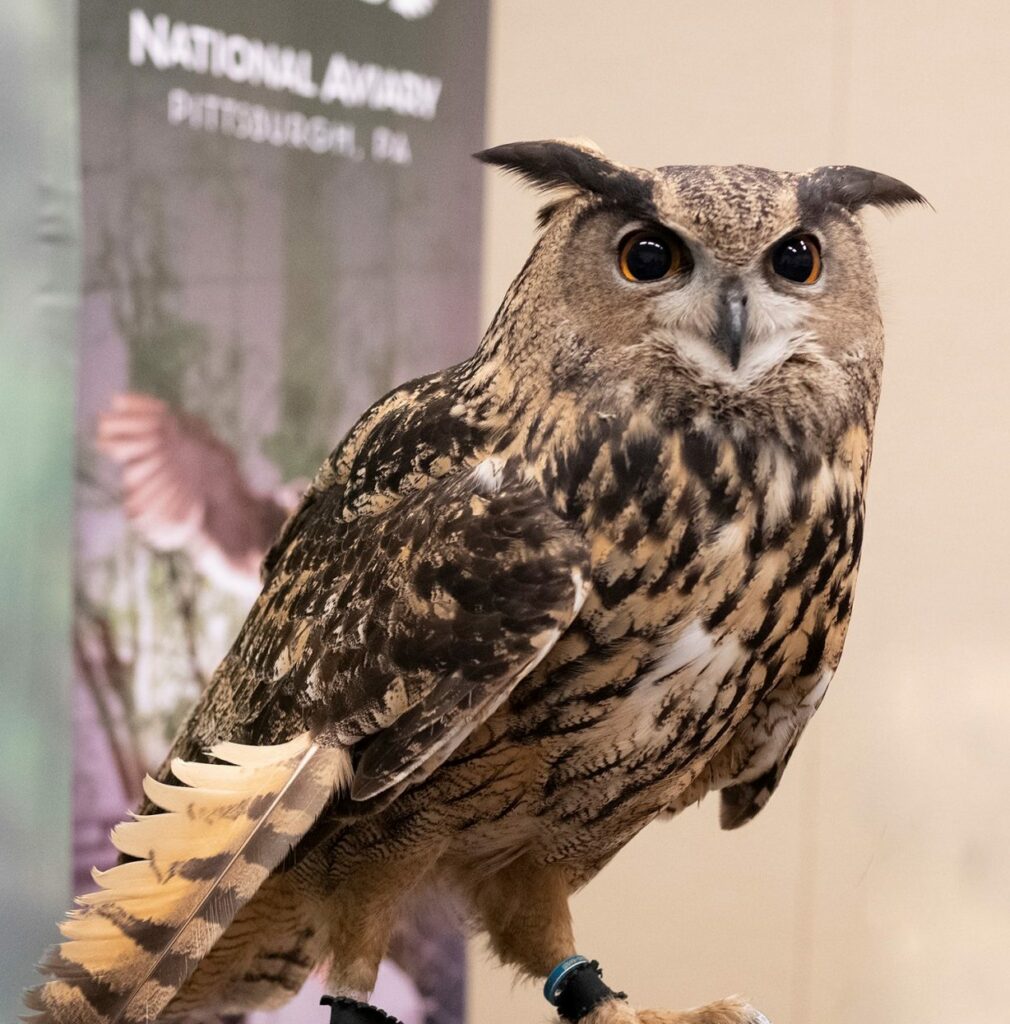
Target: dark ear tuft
{"points": [[551, 164], [855, 187], [563, 165]]}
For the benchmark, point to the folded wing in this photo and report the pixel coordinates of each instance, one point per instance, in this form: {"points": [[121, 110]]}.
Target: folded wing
{"points": [[381, 639]]}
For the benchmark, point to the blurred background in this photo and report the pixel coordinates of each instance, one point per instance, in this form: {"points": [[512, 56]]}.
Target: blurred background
{"points": [[875, 886]]}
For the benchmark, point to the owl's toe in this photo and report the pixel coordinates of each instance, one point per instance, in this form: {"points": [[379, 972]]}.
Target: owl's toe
{"points": [[725, 1011]]}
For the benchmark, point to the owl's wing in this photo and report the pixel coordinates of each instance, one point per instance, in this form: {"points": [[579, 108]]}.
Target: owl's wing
{"points": [[396, 631], [379, 642]]}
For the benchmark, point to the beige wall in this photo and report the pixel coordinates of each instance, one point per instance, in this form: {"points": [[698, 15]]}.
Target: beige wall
{"points": [[876, 886]]}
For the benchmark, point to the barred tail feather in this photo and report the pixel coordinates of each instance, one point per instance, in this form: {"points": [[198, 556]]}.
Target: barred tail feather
{"points": [[135, 941]]}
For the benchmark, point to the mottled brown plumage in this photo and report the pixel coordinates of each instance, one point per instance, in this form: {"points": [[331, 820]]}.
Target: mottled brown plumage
{"points": [[574, 583]]}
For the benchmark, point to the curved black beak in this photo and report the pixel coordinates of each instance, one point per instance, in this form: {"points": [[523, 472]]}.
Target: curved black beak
{"points": [[731, 323]]}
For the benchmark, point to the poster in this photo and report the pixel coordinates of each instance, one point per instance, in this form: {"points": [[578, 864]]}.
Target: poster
{"points": [[281, 222]]}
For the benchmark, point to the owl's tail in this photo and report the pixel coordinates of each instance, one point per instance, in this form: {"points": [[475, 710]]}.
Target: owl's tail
{"points": [[137, 939]]}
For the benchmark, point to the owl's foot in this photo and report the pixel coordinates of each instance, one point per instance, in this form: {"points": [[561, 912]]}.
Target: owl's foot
{"points": [[725, 1011], [576, 987]]}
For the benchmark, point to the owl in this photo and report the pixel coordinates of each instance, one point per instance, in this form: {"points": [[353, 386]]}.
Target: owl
{"points": [[528, 605]]}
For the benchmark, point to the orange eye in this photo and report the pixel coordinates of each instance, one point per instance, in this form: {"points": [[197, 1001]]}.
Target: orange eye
{"points": [[798, 258], [650, 255]]}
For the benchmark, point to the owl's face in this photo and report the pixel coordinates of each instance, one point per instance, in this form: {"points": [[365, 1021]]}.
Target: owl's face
{"points": [[721, 274], [729, 274]]}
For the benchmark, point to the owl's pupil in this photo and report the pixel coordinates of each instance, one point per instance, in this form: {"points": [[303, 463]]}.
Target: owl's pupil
{"points": [[648, 259], [797, 259]]}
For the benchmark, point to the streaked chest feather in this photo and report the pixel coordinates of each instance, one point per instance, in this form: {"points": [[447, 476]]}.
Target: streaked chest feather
{"points": [[722, 586], [689, 670]]}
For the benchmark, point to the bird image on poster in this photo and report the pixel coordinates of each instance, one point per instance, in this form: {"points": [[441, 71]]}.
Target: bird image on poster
{"points": [[530, 603], [183, 490]]}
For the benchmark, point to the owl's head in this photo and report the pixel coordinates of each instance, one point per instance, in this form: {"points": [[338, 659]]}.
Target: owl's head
{"points": [[726, 276]]}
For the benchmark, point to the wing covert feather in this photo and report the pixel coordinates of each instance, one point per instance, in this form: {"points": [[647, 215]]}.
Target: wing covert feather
{"points": [[398, 630]]}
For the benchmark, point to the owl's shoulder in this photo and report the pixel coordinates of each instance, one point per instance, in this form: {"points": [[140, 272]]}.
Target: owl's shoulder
{"points": [[417, 433]]}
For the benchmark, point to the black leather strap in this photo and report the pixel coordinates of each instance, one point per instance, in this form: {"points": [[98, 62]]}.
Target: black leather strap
{"points": [[582, 991], [350, 1011]]}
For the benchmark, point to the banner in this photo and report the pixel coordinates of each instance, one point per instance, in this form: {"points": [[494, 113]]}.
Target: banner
{"points": [[281, 223]]}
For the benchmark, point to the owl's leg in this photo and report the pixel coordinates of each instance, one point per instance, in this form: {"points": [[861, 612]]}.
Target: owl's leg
{"points": [[524, 908], [362, 910]]}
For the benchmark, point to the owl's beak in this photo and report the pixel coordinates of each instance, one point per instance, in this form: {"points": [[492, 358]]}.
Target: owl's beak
{"points": [[731, 321]]}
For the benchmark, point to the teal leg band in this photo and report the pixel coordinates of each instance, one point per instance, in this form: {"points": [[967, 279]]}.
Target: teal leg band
{"points": [[576, 988], [553, 987]]}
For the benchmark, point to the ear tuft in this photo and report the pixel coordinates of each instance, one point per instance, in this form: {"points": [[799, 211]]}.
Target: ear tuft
{"points": [[551, 163], [576, 166], [855, 187]]}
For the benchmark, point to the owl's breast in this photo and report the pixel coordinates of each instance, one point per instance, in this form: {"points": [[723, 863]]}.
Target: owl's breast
{"points": [[711, 620]]}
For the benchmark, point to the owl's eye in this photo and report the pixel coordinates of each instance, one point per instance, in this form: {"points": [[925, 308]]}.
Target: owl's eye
{"points": [[798, 258], [650, 255]]}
